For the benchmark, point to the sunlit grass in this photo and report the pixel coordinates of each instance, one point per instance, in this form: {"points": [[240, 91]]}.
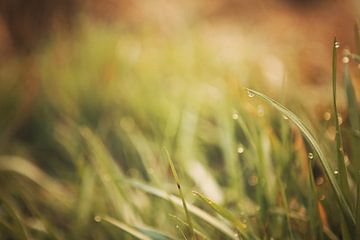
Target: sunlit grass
{"points": [[87, 160]]}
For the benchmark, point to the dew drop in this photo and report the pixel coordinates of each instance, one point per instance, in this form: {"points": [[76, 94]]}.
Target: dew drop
{"points": [[250, 93], [340, 120], [285, 117], [310, 155], [337, 44], [336, 172], [346, 59], [177, 226], [97, 218], [346, 160], [235, 116], [240, 149]]}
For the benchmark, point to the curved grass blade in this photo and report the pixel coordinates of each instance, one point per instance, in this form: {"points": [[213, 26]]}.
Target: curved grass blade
{"points": [[132, 231], [188, 217], [27, 169], [315, 145], [19, 228], [242, 227], [192, 209]]}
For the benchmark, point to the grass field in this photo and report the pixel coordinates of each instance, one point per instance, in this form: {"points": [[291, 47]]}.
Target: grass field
{"points": [[120, 134]]}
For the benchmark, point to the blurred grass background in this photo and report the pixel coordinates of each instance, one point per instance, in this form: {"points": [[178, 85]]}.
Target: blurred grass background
{"points": [[93, 94]]}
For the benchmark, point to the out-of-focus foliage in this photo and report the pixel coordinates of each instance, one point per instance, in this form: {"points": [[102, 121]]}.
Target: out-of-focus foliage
{"points": [[86, 122]]}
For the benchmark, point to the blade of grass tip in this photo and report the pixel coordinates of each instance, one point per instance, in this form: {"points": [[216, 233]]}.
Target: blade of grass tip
{"points": [[192, 209], [315, 145], [132, 231], [188, 217], [242, 227], [198, 232], [342, 173]]}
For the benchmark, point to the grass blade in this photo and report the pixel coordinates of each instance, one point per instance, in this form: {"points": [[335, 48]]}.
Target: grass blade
{"points": [[132, 231], [192, 209], [153, 234], [315, 145], [286, 206], [242, 227], [188, 218], [354, 118], [197, 232], [339, 145]]}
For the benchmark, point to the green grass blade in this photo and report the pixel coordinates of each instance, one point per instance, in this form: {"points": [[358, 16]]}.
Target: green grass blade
{"points": [[153, 233], [188, 217], [357, 37], [286, 206], [132, 231], [241, 226], [197, 232], [315, 145], [19, 228], [353, 109], [344, 185], [353, 112], [192, 209], [314, 216], [27, 169]]}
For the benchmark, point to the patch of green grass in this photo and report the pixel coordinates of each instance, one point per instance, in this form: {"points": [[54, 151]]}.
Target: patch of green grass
{"points": [[87, 160]]}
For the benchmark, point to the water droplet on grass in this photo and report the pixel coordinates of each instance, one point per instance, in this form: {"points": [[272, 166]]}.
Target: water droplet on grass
{"points": [[97, 218], [310, 155], [336, 172], [250, 93], [285, 117], [240, 149], [340, 120], [235, 116], [337, 44]]}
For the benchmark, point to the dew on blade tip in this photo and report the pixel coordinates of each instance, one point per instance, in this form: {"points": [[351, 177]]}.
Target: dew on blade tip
{"points": [[250, 93], [97, 218]]}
